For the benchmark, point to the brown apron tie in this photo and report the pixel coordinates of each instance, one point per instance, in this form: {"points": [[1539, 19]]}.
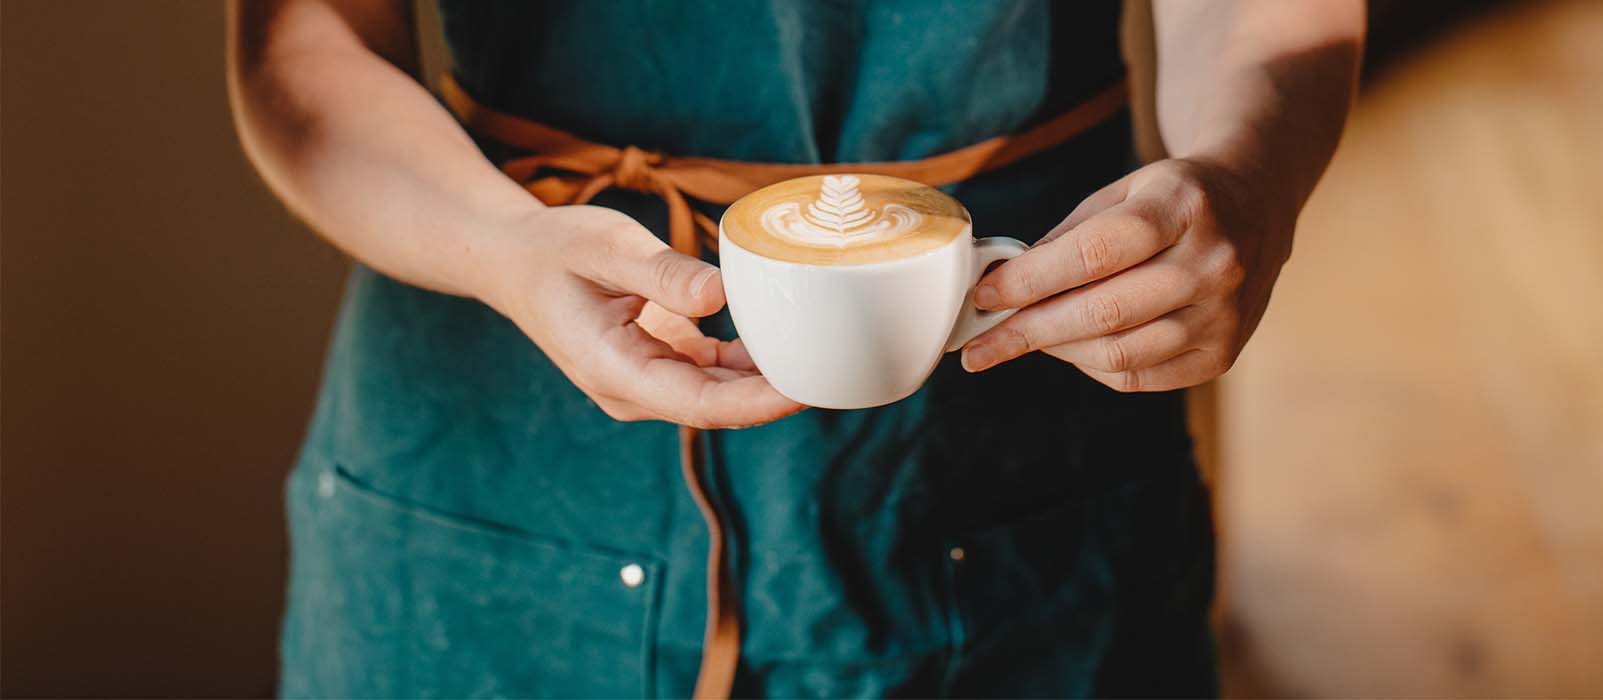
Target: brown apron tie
{"points": [[564, 169], [572, 170]]}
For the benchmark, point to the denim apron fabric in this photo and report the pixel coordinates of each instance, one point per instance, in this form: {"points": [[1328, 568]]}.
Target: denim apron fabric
{"points": [[466, 523]]}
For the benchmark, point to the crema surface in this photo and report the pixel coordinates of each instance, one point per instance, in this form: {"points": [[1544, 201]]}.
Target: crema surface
{"points": [[844, 220]]}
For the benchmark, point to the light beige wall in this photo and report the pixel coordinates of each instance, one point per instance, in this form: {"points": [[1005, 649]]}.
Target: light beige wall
{"points": [[1413, 489], [164, 321]]}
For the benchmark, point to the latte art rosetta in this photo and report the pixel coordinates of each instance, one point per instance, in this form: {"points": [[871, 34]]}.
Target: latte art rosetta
{"points": [[839, 218], [843, 219]]}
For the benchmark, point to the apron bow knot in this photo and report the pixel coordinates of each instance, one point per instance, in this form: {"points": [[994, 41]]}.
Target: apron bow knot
{"points": [[634, 169], [571, 170]]}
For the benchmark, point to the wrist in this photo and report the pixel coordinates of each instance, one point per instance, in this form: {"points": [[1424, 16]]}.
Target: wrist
{"points": [[1256, 179], [496, 256]]}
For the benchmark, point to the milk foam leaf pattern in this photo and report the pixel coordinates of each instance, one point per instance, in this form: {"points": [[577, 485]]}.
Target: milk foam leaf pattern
{"points": [[839, 205], [839, 217]]}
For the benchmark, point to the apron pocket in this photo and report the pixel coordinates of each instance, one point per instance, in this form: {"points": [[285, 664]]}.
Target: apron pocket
{"points": [[391, 598], [1031, 609]]}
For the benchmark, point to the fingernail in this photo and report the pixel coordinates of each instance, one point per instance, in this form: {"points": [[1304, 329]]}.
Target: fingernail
{"points": [[699, 282], [976, 358], [986, 296]]}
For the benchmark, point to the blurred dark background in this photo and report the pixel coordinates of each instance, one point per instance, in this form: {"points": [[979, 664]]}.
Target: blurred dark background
{"points": [[1416, 520], [164, 320]]}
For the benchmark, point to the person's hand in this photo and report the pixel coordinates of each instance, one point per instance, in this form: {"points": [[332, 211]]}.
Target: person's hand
{"points": [[1153, 283], [610, 304]]}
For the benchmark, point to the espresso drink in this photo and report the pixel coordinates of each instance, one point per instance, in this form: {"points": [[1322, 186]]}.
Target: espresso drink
{"points": [[844, 220], [847, 289]]}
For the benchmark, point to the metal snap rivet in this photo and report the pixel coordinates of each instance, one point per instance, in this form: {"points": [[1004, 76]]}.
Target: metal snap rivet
{"points": [[632, 575]]}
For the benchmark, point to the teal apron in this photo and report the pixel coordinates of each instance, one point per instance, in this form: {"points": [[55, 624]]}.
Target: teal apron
{"points": [[465, 522]]}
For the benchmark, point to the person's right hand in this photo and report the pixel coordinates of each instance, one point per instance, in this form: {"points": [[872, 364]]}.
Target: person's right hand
{"points": [[610, 304]]}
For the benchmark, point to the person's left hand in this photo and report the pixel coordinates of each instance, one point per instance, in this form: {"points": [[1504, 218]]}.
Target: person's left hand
{"points": [[1154, 282]]}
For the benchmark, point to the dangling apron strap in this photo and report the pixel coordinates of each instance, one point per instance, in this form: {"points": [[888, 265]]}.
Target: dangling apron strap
{"points": [[561, 168], [720, 649]]}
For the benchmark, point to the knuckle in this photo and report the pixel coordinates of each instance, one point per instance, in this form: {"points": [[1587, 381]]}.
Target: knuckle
{"points": [[1115, 355], [707, 416], [1098, 255], [1200, 200], [1165, 174], [1023, 286], [1229, 271], [1126, 382], [665, 272], [1015, 338], [694, 413], [1102, 313], [1189, 190], [1177, 167]]}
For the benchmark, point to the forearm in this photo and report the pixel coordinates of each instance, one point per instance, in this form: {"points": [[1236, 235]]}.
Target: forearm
{"points": [[1260, 87], [361, 151]]}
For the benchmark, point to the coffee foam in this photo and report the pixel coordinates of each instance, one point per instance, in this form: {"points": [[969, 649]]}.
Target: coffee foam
{"points": [[844, 220]]}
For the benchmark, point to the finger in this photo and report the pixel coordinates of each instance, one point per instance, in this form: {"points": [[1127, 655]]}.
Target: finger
{"points": [[648, 373], [1188, 369], [1124, 301], [727, 374], [696, 397], [680, 333], [1106, 243], [611, 312], [1143, 346], [633, 261], [684, 336], [734, 356]]}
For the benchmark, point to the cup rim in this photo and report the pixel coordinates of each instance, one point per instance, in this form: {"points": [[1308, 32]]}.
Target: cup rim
{"points": [[967, 231], [967, 234]]}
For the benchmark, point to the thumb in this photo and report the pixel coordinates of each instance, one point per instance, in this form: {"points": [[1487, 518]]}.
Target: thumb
{"points": [[677, 282]]}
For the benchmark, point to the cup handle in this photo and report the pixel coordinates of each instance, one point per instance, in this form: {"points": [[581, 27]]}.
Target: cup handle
{"points": [[971, 321]]}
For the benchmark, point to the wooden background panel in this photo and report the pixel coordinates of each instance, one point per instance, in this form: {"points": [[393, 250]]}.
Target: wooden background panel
{"points": [[1414, 441]]}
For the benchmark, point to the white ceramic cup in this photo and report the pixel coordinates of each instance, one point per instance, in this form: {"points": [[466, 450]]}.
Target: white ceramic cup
{"points": [[855, 336]]}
